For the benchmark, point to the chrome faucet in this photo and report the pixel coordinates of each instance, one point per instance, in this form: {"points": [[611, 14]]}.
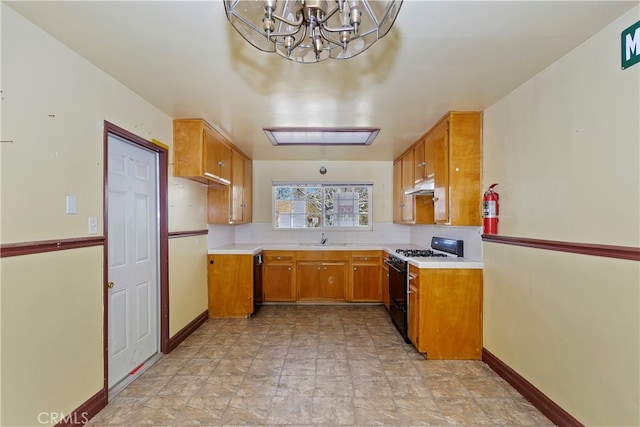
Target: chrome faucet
{"points": [[323, 240]]}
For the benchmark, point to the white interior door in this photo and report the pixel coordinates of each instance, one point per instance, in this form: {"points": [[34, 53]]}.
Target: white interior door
{"points": [[133, 257]]}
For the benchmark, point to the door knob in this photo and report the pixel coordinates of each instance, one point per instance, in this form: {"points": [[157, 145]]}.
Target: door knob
{"points": [[110, 285]]}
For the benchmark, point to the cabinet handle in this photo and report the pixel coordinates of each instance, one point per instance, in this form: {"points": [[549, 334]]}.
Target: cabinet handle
{"points": [[289, 268], [355, 268], [221, 164], [435, 199], [211, 262], [278, 257], [366, 258], [318, 268]]}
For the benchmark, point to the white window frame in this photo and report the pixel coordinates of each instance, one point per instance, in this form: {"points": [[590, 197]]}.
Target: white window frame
{"points": [[307, 222]]}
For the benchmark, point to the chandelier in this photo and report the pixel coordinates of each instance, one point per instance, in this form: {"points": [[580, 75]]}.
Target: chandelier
{"points": [[312, 30]]}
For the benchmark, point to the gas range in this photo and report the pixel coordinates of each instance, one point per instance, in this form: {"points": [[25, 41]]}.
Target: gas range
{"points": [[440, 248], [421, 253]]}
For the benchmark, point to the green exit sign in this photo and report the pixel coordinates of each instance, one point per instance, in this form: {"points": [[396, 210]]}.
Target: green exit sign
{"points": [[630, 39]]}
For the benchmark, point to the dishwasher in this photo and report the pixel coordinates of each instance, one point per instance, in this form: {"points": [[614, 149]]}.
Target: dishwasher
{"points": [[257, 282]]}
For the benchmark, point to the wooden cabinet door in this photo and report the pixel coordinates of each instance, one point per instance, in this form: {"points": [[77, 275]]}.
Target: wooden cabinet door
{"points": [[398, 194], [429, 171], [237, 188], [334, 280], [308, 278], [211, 168], [414, 310], [247, 192], [223, 160], [277, 282], [365, 281], [227, 204], [419, 162], [230, 282], [441, 172], [465, 160], [407, 183], [451, 319]]}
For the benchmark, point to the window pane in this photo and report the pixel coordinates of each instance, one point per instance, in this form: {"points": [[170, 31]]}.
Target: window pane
{"points": [[318, 205]]}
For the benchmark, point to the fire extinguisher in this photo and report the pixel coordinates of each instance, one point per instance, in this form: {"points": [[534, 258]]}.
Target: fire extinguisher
{"points": [[490, 207]]}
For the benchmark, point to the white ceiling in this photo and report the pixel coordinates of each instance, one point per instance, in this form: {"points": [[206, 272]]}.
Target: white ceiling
{"points": [[184, 58]]}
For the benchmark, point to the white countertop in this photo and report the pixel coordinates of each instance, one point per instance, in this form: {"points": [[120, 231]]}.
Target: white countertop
{"points": [[254, 249]]}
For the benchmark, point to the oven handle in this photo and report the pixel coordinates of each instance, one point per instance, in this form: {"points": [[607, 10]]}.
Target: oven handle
{"points": [[395, 267]]}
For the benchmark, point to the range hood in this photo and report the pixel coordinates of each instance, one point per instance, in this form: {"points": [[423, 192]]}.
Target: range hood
{"points": [[424, 189]]}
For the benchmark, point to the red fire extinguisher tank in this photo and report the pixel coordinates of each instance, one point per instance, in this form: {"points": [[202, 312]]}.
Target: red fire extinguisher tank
{"points": [[490, 208]]}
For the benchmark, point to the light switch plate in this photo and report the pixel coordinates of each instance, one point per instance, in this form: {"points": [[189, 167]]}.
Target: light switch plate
{"points": [[72, 204], [93, 225]]}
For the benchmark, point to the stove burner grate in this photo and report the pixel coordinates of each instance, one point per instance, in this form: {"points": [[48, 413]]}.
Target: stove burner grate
{"points": [[419, 253]]}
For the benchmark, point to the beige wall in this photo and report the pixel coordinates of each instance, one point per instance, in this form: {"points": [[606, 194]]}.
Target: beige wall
{"points": [[565, 148], [53, 300], [267, 171], [51, 333], [187, 274]]}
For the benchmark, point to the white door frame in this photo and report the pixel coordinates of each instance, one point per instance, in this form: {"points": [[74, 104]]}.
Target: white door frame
{"points": [[163, 249]]}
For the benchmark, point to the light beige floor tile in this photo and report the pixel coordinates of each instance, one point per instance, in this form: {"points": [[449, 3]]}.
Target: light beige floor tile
{"points": [[330, 386], [313, 365], [295, 385], [290, 410], [376, 411], [417, 411], [333, 411]]}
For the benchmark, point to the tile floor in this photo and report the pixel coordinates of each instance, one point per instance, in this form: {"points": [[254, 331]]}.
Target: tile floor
{"points": [[313, 365]]}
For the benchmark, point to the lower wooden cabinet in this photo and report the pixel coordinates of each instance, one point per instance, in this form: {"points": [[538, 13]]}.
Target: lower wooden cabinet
{"points": [[290, 276], [230, 282], [365, 277], [445, 312], [413, 322], [321, 280], [278, 276]]}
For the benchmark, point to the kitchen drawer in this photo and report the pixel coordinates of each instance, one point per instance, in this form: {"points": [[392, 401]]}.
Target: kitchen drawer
{"points": [[366, 257], [278, 256]]}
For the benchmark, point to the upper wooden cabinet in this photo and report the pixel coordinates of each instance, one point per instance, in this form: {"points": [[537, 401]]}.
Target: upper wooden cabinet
{"points": [[457, 156], [232, 204], [408, 213], [450, 155], [409, 209], [200, 152]]}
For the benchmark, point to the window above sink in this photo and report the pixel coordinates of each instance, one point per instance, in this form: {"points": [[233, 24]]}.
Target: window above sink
{"points": [[322, 206]]}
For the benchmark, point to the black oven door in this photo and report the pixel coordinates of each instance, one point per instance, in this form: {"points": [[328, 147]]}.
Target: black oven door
{"points": [[398, 299]]}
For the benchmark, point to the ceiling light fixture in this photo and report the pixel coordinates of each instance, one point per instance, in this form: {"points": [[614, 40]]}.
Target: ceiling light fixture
{"points": [[311, 30], [321, 136]]}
